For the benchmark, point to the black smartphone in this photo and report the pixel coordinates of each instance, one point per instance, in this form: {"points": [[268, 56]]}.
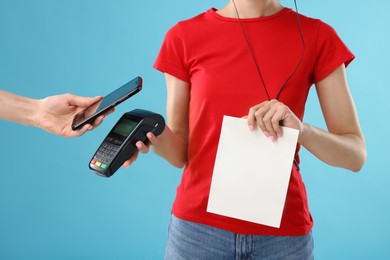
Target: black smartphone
{"points": [[119, 144], [89, 114]]}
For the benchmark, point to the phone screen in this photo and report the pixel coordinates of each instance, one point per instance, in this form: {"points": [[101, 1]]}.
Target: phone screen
{"points": [[114, 98]]}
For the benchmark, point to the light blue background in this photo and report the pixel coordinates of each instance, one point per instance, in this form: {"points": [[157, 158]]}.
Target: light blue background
{"points": [[53, 207]]}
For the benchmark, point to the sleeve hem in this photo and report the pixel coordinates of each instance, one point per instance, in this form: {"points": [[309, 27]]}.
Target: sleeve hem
{"points": [[172, 71], [346, 61]]}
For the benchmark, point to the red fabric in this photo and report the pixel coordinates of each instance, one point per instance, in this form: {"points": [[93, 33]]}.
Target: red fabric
{"points": [[210, 52]]}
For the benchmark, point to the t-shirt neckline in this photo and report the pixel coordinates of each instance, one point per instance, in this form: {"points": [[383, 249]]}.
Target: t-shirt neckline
{"points": [[213, 12]]}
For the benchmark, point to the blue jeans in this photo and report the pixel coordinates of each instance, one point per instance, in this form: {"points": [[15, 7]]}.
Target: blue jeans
{"points": [[188, 240]]}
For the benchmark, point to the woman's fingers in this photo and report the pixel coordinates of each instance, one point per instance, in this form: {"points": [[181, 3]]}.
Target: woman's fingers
{"points": [[142, 147], [132, 159], [269, 116]]}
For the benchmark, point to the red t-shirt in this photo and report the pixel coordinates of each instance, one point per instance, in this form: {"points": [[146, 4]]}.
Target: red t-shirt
{"points": [[209, 51]]}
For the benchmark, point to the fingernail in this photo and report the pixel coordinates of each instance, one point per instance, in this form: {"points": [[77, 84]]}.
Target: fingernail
{"points": [[273, 138], [251, 127], [266, 134]]}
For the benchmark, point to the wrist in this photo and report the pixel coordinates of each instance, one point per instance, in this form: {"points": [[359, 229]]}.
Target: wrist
{"points": [[303, 134], [33, 113]]}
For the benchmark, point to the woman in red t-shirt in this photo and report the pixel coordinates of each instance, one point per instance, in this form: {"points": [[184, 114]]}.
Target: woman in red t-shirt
{"points": [[256, 59]]}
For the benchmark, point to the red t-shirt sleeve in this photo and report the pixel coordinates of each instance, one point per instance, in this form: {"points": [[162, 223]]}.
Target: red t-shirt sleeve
{"points": [[331, 52], [171, 58]]}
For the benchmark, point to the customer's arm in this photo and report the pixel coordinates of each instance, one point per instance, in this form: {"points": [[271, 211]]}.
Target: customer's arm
{"points": [[53, 114]]}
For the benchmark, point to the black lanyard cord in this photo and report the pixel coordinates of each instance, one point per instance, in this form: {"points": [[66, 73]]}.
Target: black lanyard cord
{"points": [[257, 65], [254, 59]]}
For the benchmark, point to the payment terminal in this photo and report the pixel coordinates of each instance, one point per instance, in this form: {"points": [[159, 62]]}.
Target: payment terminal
{"points": [[119, 144]]}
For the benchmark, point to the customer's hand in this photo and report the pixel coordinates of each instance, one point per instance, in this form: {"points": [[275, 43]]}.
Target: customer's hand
{"points": [[55, 114]]}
